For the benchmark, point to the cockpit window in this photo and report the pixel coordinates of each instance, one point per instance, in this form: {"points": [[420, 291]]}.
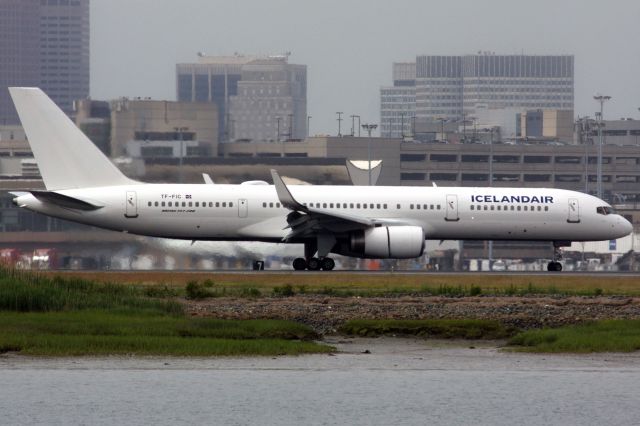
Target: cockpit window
{"points": [[605, 210]]}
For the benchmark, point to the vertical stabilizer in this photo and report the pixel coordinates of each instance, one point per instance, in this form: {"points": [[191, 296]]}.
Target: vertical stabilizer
{"points": [[66, 158]]}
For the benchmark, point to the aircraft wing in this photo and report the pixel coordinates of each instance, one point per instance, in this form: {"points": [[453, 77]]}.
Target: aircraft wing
{"points": [[307, 222]]}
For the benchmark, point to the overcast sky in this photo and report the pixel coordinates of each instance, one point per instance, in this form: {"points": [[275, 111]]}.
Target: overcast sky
{"points": [[349, 45]]}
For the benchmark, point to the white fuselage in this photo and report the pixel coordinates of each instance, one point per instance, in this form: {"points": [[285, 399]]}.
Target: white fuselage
{"points": [[253, 212]]}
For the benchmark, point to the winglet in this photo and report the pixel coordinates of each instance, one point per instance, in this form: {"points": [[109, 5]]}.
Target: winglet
{"points": [[285, 197], [207, 179]]}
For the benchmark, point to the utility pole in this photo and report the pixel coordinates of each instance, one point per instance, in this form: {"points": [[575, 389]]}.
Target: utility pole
{"points": [[339, 123], [353, 123], [369, 128], [602, 99]]}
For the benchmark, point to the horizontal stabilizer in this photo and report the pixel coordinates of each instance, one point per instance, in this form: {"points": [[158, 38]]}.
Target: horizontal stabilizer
{"points": [[64, 201]]}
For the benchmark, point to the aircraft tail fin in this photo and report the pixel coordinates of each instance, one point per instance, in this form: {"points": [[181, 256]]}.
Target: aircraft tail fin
{"points": [[66, 158]]}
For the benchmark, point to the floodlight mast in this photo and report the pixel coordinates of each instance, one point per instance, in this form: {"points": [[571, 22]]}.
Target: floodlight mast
{"points": [[369, 128]]}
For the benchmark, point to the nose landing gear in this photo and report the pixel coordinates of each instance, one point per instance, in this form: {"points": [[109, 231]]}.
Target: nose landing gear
{"points": [[555, 265]]}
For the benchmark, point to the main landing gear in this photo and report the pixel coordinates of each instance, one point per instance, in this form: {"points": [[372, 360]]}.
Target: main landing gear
{"points": [[322, 246], [314, 264], [555, 265]]}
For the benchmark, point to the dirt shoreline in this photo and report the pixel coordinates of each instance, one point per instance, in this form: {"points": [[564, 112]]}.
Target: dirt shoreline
{"points": [[325, 314]]}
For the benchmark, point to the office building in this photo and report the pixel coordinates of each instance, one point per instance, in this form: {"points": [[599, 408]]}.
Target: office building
{"points": [[150, 129], [454, 88], [398, 102], [44, 44], [253, 94]]}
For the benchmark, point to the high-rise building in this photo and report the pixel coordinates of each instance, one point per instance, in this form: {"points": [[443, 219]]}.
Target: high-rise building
{"points": [[253, 94], [64, 51], [45, 44], [398, 102], [19, 51], [453, 88]]}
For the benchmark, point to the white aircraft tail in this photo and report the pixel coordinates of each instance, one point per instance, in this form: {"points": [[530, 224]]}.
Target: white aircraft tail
{"points": [[66, 158]]}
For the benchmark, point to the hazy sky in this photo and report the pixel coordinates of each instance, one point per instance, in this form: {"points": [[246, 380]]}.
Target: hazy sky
{"points": [[349, 45]]}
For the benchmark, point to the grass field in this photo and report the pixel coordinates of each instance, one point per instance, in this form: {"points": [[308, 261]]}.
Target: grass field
{"points": [[347, 284], [600, 336]]}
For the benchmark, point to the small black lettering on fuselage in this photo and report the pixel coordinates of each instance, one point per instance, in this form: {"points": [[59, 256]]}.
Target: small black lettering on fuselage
{"points": [[542, 199]]}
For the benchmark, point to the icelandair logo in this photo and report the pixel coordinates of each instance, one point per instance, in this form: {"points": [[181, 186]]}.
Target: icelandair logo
{"points": [[511, 199]]}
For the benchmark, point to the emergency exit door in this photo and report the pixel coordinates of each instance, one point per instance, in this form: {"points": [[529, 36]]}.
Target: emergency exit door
{"points": [[452, 208], [574, 211], [243, 208]]}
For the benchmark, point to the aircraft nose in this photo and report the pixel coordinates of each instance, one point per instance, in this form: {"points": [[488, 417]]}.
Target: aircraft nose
{"points": [[626, 226]]}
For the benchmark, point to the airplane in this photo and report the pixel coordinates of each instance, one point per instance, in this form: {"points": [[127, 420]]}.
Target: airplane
{"points": [[82, 185]]}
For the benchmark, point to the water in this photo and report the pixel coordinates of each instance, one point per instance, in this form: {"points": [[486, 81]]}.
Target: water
{"points": [[400, 383]]}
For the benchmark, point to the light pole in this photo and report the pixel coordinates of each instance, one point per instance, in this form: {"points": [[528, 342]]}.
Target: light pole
{"points": [[278, 129], [308, 124], [290, 126], [369, 128], [180, 131], [339, 113], [353, 123], [602, 99], [402, 125]]}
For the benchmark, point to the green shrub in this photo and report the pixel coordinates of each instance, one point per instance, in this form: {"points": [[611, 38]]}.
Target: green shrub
{"points": [[196, 291], [284, 291]]}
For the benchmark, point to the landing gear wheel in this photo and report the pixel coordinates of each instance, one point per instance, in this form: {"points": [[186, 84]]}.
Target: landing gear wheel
{"points": [[554, 267], [327, 264], [313, 264], [299, 264]]}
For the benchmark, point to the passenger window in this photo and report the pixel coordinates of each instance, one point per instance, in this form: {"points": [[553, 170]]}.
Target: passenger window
{"points": [[364, 206], [184, 204], [438, 206], [331, 205], [498, 208], [271, 205], [190, 204], [157, 204], [418, 206], [385, 206], [169, 203], [472, 207], [149, 203], [486, 208], [351, 205], [217, 203], [231, 205], [224, 204], [519, 208], [211, 204], [525, 208], [264, 204], [513, 208], [163, 204], [546, 208], [398, 206], [277, 205], [411, 206], [358, 205], [197, 203], [344, 205], [493, 207], [539, 208], [378, 206]]}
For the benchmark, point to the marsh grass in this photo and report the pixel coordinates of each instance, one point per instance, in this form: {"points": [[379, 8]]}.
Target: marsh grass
{"points": [[598, 336], [442, 329], [101, 333], [68, 316], [24, 291]]}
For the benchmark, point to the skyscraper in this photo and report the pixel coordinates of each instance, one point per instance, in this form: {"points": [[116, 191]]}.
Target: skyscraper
{"points": [[398, 102], [44, 43]]}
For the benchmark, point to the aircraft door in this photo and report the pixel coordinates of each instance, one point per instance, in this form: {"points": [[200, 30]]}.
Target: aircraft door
{"points": [[452, 208], [574, 211], [131, 203], [243, 208]]}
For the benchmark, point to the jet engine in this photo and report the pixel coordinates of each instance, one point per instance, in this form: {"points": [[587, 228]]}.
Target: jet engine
{"points": [[394, 242]]}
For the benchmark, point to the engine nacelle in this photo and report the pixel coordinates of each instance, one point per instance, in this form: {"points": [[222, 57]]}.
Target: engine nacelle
{"points": [[389, 242]]}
